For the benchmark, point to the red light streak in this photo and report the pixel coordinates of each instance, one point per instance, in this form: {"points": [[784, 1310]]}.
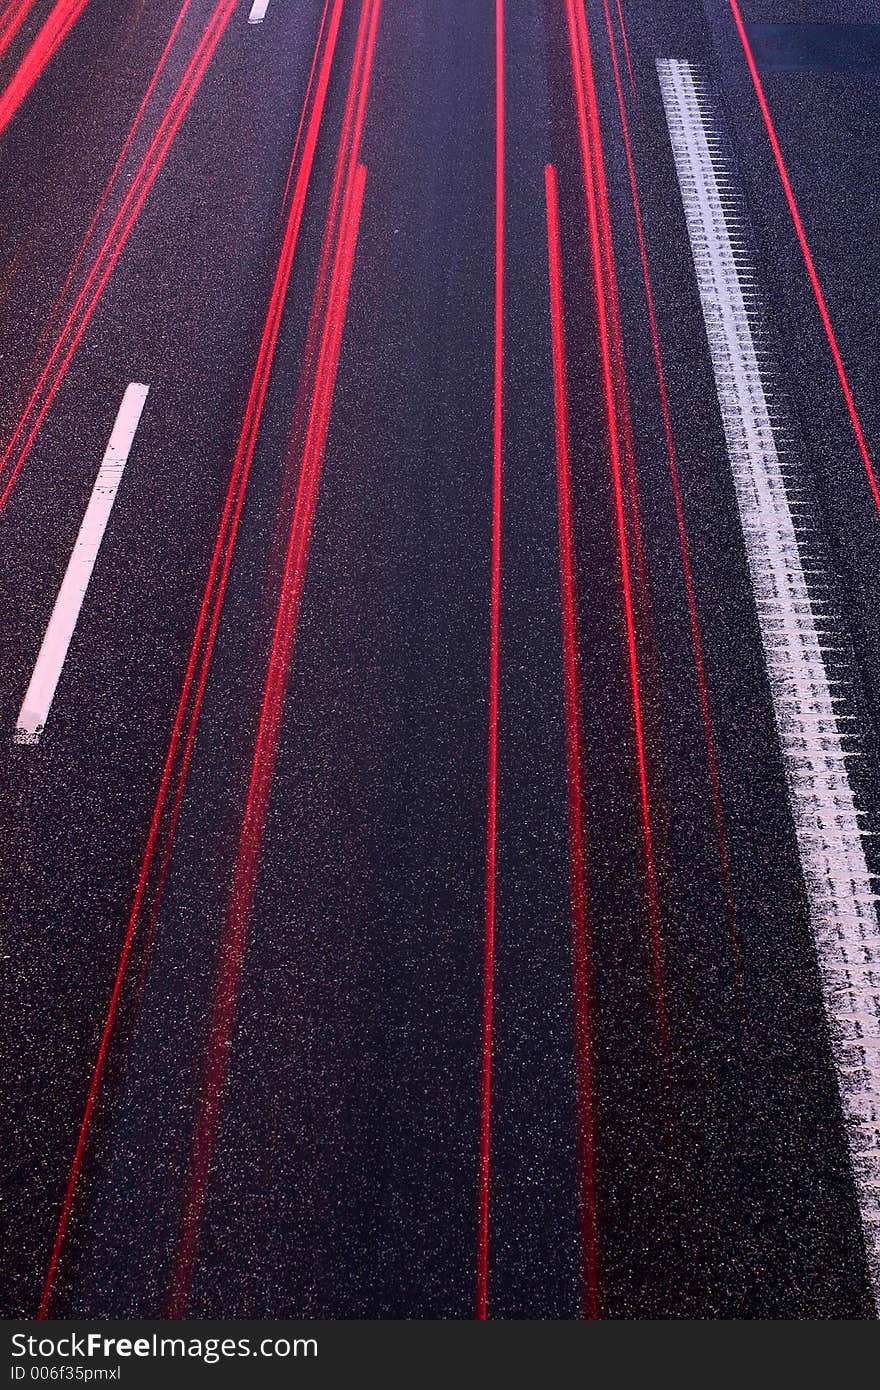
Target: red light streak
{"points": [[244, 877], [623, 35], [111, 182], [672, 462], [305, 105], [598, 217]]}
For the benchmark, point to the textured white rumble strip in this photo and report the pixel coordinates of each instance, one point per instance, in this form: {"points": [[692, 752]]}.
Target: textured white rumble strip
{"points": [[817, 735]]}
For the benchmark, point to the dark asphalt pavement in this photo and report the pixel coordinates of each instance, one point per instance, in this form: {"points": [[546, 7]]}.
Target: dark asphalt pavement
{"points": [[338, 1171]]}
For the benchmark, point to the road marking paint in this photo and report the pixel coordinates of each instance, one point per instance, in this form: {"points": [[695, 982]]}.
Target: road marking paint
{"points": [[794, 630], [44, 681], [258, 11]]}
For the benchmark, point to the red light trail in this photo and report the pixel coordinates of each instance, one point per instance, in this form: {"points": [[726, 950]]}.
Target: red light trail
{"points": [[245, 873], [344, 230], [494, 650], [672, 462], [602, 254], [189, 704], [291, 474], [305, 106], [577, 835]]}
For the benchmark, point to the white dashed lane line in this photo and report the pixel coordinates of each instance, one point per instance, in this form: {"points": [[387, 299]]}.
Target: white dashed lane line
{"points": [[47, 672]]}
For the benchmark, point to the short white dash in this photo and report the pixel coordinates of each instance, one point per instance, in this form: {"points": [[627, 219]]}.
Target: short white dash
{"points": [[44, 681], [840, 890], [258, 11]]}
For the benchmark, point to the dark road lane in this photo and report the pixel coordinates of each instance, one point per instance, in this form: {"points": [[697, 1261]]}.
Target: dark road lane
{"points": [[285, 1119]]}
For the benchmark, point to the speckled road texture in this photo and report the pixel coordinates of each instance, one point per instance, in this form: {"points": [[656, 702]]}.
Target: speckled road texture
{"points": [[410, 908]]}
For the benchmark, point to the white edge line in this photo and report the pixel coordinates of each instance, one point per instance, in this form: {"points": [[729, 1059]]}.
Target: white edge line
{"points": [[840, 890]]}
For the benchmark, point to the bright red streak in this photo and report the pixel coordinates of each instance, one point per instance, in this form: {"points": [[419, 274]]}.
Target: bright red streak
{"points": [[353, 116], [90, 293], [189, 704], [234, 943], [494, 648], [55, 29], [808, 257], [12, 19], [244, 877], [254, 414], [596, 191], [577, 837], [671, 458], [293, 579], [305, 104], [618, 356]]}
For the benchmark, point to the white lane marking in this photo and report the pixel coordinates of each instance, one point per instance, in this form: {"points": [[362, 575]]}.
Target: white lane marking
{"points": [[814, 732], [41, 691], [258, 11]]}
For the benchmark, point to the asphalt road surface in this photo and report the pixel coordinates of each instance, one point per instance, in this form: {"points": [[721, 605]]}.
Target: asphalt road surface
{"points": [[440, 762]]}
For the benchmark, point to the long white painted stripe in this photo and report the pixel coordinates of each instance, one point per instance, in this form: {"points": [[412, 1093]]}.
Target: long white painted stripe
{"points": [[258, 11], [41, 691], [814, 734]]}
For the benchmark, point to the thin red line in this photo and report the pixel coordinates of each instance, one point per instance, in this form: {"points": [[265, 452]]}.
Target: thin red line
{"points": [[623, 35], [494, 648], [593, 170], [305, 103], [696, 640], [314, 327], [618, 356], [577, 839], [299, 195], [222, 558], [807, 255]]}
